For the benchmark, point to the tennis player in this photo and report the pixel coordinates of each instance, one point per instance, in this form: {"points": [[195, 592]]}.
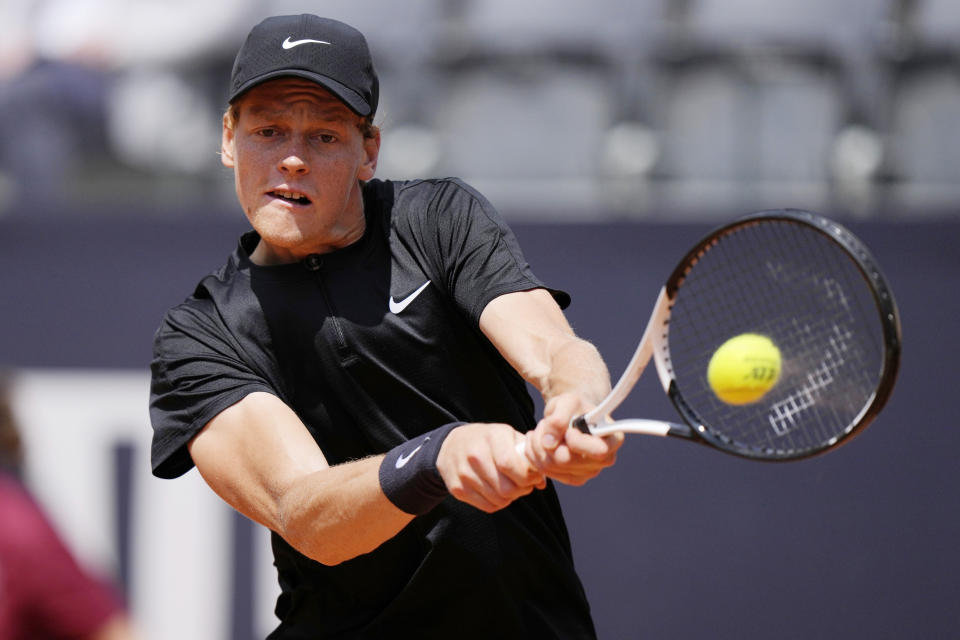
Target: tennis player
{"points": [[353, 378]]}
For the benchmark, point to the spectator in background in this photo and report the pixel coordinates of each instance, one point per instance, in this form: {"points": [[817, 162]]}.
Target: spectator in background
{"points": [[81, 83], [44, 593], [52, 110]]}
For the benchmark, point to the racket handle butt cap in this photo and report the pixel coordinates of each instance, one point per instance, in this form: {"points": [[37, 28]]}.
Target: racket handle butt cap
{"points": [[580, 423]]}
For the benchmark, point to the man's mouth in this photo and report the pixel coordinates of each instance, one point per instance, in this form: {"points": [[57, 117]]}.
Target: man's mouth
{"points": [[291, 196]]}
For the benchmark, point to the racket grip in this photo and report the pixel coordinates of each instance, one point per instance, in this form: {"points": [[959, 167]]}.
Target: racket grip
{"points": [[521, 448]]}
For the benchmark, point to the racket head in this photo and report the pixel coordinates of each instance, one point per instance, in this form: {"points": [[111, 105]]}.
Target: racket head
{"points": [[815, 290]]}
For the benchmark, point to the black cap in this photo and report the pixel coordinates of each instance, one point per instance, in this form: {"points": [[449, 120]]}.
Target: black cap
{"points": [[331, 53]]}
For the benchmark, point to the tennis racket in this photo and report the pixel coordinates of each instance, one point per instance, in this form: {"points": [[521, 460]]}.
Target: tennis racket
{"points": [[809, 286]]}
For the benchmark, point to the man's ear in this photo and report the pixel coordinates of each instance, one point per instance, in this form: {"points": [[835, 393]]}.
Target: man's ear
{"points": [[371, 148], [227, 148]]}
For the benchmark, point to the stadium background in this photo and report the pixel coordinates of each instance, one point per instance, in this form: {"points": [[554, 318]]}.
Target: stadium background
{"points": [[611, 134]]}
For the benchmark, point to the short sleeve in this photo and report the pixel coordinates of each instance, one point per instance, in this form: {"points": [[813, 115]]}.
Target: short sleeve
{"points": [[198, 370], [475, 252]]}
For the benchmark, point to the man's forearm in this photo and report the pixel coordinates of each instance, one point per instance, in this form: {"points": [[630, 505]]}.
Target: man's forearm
{"points": [[340, 512]]}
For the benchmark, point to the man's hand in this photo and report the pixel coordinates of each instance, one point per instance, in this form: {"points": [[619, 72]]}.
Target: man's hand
{"points": [[481, 465], [567, 454]]}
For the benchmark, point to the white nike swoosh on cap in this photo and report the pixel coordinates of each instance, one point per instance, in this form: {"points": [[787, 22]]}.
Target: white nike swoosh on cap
{"points": [[397, 307], [290, 44]]}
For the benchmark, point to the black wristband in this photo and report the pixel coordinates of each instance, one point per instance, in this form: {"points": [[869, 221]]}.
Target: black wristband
{"points": [[408, 473]]}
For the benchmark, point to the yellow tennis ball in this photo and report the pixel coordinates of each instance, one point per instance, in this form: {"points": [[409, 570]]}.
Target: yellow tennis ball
{"points": [[744, 368]]}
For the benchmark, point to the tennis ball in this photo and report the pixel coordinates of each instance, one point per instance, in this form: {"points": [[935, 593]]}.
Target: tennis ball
{"points": [[744, 368]]}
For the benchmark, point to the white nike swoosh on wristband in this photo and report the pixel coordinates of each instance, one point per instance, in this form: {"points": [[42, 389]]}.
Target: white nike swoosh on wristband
{"points": [[397, 307], [290, 44], [404, 459]]}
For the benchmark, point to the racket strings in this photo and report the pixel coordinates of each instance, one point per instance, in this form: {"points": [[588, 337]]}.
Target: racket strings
{"points": [[803, 290]]}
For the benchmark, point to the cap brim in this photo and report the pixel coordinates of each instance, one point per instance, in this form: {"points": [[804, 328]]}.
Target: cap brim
{"points": [[349, 97]]}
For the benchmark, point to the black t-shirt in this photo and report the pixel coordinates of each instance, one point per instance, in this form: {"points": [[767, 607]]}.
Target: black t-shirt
{"points": [[372, 345]]}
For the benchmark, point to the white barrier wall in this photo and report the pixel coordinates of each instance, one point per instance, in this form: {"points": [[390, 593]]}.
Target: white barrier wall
{"points": [[180, 558]]}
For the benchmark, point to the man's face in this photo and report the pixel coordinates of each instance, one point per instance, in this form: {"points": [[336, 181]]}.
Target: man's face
{"points": [[298, 156]]}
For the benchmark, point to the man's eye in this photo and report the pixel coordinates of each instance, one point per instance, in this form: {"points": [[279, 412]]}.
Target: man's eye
{"points": [[326, 138], [267, 133]]}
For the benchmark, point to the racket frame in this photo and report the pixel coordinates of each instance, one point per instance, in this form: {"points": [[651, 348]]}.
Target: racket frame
{"points": [[655, 343]]}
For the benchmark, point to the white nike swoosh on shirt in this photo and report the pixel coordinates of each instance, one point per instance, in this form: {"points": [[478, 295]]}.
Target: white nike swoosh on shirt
{"points": [[397, 307], [290, 44], [404, 459]]}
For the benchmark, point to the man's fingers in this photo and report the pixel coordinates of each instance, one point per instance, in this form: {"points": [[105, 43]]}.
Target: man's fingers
{"points": [[483, 466], [578, 459], [550, 434], [475, 499], [490, 494], [590, 446]]}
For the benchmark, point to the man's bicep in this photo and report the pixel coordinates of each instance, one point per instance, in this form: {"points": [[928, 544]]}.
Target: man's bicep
{"points": [[253, 452]]}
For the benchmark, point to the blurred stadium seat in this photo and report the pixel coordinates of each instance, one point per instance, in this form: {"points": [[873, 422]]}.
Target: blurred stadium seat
{"points": [[935, 25], [754, 96], [545, 26], [528, 135], [785, 24], [925, 139], [559, 109], [923, 167], [532, 95], [747, 133]]}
